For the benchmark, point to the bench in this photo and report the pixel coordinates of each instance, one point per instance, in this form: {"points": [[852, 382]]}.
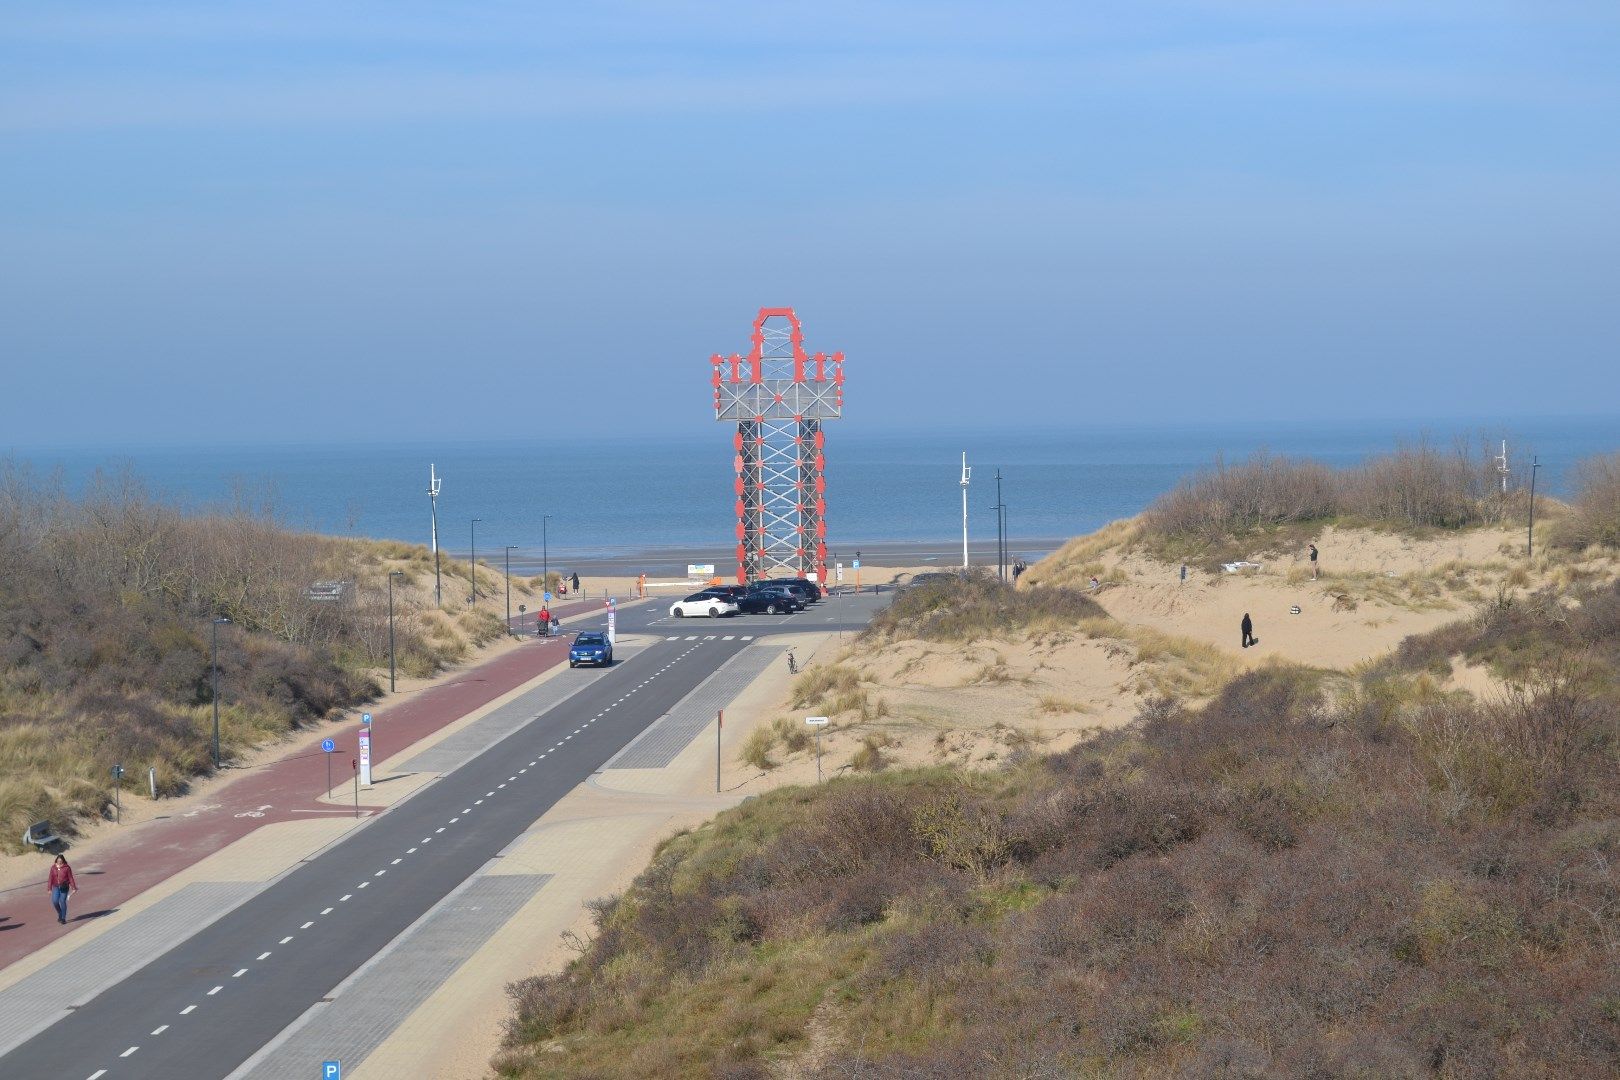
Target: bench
{"points": [[40, 835]]}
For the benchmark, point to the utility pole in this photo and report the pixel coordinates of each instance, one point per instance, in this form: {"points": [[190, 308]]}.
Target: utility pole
{"points": [[1001, 534], [433, 505], [967, 474], [545, 555], [1530, 539], [213, 663], [472, 568]]}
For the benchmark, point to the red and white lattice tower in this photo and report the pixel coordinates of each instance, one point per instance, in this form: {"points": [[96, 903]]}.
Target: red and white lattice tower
{"points": [[778, 396]]}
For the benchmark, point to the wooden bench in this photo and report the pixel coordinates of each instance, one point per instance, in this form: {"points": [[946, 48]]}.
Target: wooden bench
{"points": [[40, 835]]}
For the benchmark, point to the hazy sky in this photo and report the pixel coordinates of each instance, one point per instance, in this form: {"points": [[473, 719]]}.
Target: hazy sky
{"points": [[328, 220]]}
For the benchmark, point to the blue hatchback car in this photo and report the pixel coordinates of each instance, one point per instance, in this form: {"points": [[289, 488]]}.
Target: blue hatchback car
{"points": [[590, 647]]}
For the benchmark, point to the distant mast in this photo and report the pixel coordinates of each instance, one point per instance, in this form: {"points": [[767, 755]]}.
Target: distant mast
{"points": [[1502, 467], [967, 474], [433, 508]]}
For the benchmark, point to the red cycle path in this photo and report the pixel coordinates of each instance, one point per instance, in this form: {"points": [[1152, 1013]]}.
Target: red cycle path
{"points": [[283, 790]]}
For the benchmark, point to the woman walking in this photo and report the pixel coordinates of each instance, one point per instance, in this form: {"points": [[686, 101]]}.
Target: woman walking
{"points": [[1248, 631], [60, 885]]}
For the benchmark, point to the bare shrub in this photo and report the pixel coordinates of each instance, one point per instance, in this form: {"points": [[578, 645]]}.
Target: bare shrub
{"points": [[1594, 515]]}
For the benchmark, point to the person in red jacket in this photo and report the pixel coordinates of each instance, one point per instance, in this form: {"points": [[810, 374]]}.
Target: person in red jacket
{"points": [[60, 884]]}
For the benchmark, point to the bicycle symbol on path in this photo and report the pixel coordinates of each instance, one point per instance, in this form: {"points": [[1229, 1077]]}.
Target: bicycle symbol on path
{"points": [[252, 813]]}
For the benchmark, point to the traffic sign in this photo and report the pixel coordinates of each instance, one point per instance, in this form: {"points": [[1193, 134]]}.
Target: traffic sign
{"points": [[548, 596], [365, 718], [857, 564], [331, 1070], [328, 745]]}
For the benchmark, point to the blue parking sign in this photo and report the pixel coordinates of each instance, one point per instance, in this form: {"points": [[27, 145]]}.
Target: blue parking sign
{"points": [[331, 1070], [328, 745]]}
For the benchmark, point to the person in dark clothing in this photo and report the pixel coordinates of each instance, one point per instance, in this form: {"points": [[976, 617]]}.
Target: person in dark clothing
{"points": [[573, 582], [60, 884], [1248, 631]]}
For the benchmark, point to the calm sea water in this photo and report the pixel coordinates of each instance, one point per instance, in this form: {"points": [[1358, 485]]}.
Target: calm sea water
{"points": [[625, 495]]}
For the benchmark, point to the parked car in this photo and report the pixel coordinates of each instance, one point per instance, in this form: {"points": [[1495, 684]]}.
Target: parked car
{"points": [[591, 647], [771, 599], [805, 585], [711, 602]]}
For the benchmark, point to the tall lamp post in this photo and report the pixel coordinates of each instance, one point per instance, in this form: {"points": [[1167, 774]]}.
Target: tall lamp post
{"points": [[967, 474], [392, 574], [213, 663], [1530, 539], [1001, 532], [473, 568], [508, 569], [433, 505], [545, 555]]}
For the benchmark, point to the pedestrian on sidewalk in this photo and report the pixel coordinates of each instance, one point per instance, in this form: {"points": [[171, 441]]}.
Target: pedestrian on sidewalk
{"points": [[1248, 631], [573, 581], [542, 626], [60, 885]]}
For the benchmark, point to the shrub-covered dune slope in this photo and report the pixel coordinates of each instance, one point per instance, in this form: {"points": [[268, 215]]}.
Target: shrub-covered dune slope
{"points": [[1309, 873]]}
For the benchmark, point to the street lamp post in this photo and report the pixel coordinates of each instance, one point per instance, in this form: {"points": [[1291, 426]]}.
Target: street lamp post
{"points": [[508, 569], [392, 574], [545, 555], [473, 568], [213, 663], [433, 504], [1530, 537], [967, 474], [1001, 533]]}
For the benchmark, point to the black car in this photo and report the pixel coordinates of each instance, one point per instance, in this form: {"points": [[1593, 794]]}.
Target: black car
{"points": [[770, 599], [809, 588]]}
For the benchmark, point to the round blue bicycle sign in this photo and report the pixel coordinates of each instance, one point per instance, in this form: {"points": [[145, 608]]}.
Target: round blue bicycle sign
{"points": [[328, 745]]}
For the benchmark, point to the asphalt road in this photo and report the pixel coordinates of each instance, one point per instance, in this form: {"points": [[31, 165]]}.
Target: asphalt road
{"points": [[213, 1001]]}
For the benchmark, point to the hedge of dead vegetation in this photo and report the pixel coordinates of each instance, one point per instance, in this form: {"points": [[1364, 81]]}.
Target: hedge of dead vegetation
{"points": [[106, 609], [1312, 875], [976, 605], [1415, 487]]}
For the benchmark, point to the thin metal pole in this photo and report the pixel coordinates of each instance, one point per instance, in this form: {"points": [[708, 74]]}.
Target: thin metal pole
{"points": [[328, 758], [392, 574], [508, 571], [1530, 541], [1001, 568], [545, 554], [719, 722], [213, 663], [355, 763], [966, 475], [473, 570]]}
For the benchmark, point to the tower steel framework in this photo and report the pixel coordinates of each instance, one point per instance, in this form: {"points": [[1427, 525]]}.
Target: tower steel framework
{"points": [[779, 396]]}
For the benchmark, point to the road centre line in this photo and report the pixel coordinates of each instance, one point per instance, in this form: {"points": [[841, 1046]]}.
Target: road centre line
{"points": [[264, 956], [161, 1028], [128, 1052], [327, 911], [240, 973], [188, 1010], [215, 990]]}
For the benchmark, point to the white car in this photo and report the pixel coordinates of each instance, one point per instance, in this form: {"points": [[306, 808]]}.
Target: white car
{"points": [[710, 602]]}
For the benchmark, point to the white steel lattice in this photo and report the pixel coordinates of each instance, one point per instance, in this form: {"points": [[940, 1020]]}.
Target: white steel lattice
{"points": [[778, 396]]}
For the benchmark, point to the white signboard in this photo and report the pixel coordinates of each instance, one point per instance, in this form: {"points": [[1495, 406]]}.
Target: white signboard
{"points": [[840, 571], [700, 569], [613, 619], [816, 721], [365, 756]]}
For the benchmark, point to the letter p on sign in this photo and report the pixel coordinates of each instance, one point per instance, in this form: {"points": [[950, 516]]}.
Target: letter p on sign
{"points": [[331, 1070]]}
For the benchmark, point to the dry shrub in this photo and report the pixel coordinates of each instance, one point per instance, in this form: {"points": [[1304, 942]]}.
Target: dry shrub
{"points": [[1594, 514], [974, 607], [1293, 879]]}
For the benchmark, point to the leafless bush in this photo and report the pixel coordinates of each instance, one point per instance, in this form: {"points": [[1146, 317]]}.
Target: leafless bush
{"points": [[1594, 516]]}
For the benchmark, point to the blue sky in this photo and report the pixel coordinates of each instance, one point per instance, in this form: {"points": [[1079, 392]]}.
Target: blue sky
{"points": [[318, 221]]}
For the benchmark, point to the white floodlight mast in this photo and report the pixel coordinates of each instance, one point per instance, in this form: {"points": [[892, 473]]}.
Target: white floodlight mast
{"points": [[1502, 466], [967, 474], [434, 481]]}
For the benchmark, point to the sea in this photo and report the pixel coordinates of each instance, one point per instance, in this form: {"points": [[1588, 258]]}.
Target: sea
{"points": [[629, 499]]}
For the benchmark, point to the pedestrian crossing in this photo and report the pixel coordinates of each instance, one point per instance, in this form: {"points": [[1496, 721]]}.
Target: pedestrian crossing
{"points": [[710, 637]]}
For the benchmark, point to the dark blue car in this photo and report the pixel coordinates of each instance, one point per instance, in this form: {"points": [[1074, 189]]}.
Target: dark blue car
{"points": [[590, 647]]}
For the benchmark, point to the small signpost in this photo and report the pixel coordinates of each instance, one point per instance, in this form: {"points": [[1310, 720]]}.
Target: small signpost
{"points": [[331, 1070], [521, 609], [613, 620], [840, 571], [365, 749], [817, 722], [327, 746], [857, 567], [118, 787]]}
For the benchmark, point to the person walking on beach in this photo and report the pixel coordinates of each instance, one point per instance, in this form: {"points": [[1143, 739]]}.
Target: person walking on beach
{"points": [[1313, 562], [1248, 631], [573, 582], [1184, 573], [60, 885]]}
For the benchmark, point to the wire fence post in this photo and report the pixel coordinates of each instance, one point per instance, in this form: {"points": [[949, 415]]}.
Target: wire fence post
{"points": [[719, 722]]}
